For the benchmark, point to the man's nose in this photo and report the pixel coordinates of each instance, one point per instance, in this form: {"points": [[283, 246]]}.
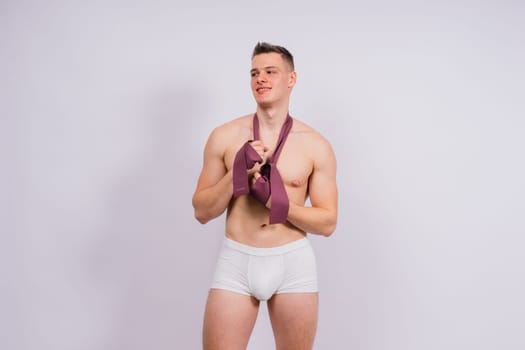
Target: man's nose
{"points": [[261, 78]]}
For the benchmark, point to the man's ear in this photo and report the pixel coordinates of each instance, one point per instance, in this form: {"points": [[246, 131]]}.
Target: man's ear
{"points": [[292, 79]]}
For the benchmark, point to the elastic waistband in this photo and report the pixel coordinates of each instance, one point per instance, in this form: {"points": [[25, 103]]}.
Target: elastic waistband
{"points": [[285, 248]]}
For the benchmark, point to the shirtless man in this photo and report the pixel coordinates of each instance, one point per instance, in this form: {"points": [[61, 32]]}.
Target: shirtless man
{"points": [[261, 260]]}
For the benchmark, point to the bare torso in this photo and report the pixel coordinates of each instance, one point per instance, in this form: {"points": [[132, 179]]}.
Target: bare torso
{"points": [[247, 219]]}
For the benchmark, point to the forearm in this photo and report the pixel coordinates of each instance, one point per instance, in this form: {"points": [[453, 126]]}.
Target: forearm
{"points": [[211, 202], [313, 220]]}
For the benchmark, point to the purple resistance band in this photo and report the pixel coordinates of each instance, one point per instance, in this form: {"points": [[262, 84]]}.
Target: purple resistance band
{"points": [[270, 182]]}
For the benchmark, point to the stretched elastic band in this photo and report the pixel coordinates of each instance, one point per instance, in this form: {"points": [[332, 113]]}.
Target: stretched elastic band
{"points": [[285, 248]]}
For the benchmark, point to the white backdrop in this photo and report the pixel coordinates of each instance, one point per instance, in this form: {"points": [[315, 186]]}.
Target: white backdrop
{"points": [[106, 106]]}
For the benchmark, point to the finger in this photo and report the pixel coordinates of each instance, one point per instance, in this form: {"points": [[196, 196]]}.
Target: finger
{"points": [[256, 175], [257, 143], [256, 168], [265, 156]]}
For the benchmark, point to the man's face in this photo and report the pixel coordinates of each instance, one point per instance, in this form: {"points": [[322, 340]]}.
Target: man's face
{"points": [[272, 79]]}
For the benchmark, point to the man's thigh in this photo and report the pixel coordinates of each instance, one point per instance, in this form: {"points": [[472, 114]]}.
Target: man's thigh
{"points": [[294, 320], [228, 320]]}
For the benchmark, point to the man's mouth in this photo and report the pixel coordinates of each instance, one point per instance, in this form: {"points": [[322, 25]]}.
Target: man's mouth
{"points": [[263, 89]]}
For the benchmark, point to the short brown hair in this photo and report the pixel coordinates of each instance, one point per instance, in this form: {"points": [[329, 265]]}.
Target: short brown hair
{"points": [[264, 47]]}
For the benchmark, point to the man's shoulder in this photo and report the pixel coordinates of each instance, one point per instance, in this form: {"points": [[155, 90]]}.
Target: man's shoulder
{"points": [[313, 140], [303, 130], [232, 128]]}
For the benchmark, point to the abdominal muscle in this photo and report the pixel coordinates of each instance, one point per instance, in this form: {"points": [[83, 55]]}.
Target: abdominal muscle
{"points": [[247, 222]]}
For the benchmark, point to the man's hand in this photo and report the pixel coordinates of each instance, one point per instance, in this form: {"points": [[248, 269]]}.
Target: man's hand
{"points": [[262, 151]]}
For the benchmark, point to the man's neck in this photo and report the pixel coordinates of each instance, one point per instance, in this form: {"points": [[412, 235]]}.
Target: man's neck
{"points": [[271, 118]]}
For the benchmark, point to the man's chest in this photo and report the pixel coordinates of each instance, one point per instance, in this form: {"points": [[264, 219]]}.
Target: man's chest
{"points": [[295, 163]]}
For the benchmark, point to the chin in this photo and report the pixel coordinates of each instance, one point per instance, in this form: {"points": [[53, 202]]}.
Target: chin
{"points": [[264, 98], [264, 104]]}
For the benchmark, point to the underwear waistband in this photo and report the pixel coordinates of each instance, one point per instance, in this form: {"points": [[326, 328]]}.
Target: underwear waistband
{"points": [[285, 248]]}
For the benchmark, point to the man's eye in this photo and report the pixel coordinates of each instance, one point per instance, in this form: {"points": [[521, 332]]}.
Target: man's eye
{"points": [[253, 74]]}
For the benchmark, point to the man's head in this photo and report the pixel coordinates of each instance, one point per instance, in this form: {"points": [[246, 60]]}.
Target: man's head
{"points": [[272, 75], [264, 47]]}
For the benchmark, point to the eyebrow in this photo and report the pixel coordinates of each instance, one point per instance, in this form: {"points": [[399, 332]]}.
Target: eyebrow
{"points": [[267, 67]]}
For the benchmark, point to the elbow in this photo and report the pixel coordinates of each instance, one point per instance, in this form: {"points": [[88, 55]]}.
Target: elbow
{"points": [[329, 227], [328, 230], [202, 217], [200, 214], [325, 230]]}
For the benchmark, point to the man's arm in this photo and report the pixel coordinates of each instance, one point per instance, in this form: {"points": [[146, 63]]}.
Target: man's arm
{"points": [[215, 186], [321, 217]]}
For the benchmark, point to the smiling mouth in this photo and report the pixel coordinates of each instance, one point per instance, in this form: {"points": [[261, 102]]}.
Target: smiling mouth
{"points": [[262, 89]]}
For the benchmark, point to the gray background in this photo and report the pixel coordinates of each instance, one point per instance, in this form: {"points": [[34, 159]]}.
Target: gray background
{"points": [[105, 109]]}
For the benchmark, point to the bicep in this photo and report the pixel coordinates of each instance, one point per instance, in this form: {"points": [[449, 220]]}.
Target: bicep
{"points": [[322, 186]]}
